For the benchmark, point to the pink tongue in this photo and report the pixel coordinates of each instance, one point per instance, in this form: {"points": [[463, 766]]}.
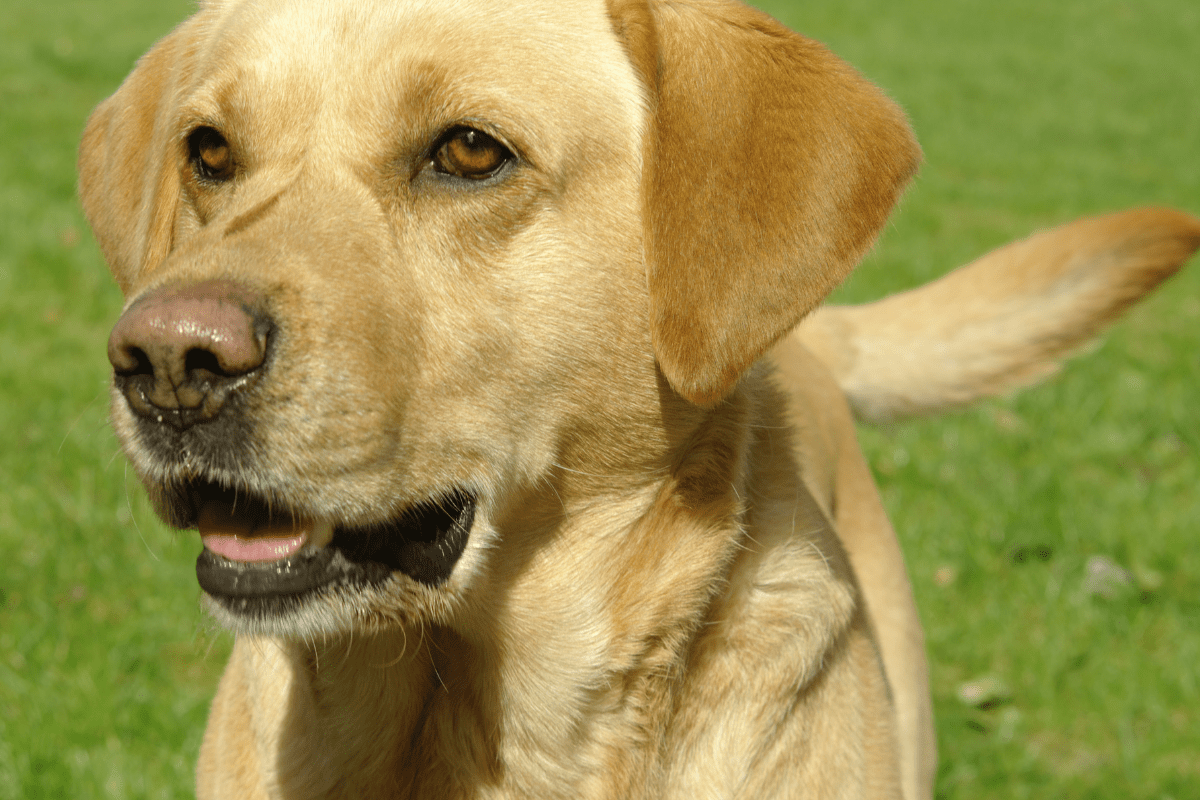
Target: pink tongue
{"points": [[242, 534], [254, 548]]}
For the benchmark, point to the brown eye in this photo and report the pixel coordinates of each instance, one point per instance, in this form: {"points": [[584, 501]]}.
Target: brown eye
{"points": [[212, 157], [468, 153]]}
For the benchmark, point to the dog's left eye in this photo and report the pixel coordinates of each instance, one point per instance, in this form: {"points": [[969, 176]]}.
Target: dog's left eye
{"points": [[468, 153], [211, 155]]}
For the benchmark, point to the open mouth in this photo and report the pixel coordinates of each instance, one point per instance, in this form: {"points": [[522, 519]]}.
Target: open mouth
{"points": [[260, 556]]}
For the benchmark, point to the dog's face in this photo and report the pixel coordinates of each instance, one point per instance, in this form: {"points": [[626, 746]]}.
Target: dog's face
{"points": [[402, 276]]}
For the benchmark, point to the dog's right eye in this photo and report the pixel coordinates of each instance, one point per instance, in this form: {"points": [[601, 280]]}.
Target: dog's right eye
{"points": [[468, 153], [211, 156]]}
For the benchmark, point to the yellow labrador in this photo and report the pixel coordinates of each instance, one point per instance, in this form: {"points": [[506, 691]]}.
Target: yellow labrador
{"points": [[463, 333]]}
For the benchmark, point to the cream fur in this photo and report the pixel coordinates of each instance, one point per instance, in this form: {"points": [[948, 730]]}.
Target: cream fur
{"points": [[680, 582]]}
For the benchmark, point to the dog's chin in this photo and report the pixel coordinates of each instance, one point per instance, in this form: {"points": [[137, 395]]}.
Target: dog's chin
{"points": [[266, 569]]}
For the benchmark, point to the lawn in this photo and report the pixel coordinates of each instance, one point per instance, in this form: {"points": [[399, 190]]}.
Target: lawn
{"points": [[1030, 113]]}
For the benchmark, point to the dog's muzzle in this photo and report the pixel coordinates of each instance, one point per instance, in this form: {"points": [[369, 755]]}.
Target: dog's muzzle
{"points": [[188, 360]]}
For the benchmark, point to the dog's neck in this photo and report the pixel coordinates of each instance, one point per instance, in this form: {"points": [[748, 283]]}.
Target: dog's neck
{"points": [[450, 713]]}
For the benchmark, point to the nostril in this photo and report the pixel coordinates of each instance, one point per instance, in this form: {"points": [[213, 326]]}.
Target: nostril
{"points": [[199, 360], [133, 361], [187, 349]]}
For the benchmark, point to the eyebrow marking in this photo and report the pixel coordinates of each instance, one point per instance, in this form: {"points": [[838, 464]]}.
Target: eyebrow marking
{"points": [[248, 218]]}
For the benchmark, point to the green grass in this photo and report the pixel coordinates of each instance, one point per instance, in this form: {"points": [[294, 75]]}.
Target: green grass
{"points": [[1030, 113], [105, 673]]}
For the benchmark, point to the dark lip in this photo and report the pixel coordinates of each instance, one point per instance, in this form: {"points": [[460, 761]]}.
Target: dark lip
{"points": [[423, 542]]}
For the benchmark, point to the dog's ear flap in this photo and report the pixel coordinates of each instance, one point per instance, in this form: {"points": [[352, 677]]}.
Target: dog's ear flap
{"points": [[770, 168], [129, 171]]}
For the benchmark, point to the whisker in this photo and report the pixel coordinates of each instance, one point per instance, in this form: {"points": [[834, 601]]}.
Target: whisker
{"points": [[87, 407], [133, 516]]}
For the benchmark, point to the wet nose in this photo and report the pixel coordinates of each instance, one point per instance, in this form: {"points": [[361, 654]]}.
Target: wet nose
{"points": [[181, 352]]}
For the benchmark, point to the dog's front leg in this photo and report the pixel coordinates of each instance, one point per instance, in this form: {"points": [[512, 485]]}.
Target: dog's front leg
{"points": [[255, 744], [291, 720]]}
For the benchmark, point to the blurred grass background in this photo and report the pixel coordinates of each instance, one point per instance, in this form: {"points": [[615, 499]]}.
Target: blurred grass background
{"points": [[1030, 113]]}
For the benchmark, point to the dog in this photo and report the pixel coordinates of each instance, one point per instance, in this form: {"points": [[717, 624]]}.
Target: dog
{"points": [[483, 344]]}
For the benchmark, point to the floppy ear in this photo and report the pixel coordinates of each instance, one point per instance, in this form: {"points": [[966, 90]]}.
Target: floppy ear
{"points": [[770, 168], [129, 164]]}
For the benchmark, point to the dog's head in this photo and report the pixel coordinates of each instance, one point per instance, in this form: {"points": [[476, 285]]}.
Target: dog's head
{"points": [[410, 283]]}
